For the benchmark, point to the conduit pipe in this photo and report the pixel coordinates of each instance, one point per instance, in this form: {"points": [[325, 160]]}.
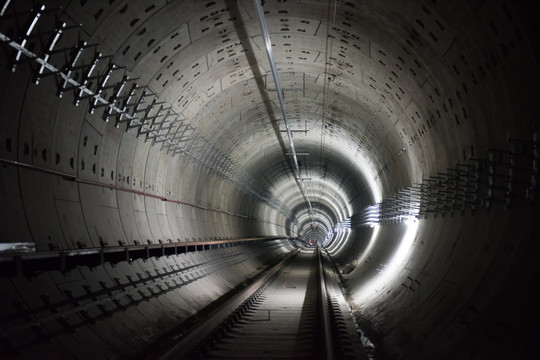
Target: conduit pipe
{"points": [[69, 177], [269, 53]]}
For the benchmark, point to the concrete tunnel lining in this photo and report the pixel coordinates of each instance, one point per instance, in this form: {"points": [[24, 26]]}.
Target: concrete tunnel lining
{"points": [[391, 94]]}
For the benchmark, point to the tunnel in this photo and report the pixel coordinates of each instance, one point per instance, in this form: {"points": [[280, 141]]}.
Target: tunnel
{"points": [[158, 154]]}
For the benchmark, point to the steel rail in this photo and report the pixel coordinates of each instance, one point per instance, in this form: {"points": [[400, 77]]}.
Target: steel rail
{"points": [[191, 341], [270, 54], [220, 333], [326, 326]]}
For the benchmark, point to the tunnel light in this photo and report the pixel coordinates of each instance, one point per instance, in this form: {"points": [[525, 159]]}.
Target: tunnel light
{"points": [[388, 271], [344, 225], [336, 241], [338, 236]]}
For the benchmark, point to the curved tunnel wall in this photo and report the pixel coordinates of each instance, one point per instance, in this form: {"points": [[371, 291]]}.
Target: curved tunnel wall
{"points": [[413, 89]]}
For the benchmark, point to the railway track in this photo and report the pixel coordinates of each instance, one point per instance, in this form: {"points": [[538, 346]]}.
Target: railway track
{"points": [[296, 310]]}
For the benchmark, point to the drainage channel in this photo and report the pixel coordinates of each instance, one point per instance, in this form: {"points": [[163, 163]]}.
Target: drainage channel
{"points": [[296, 311]]}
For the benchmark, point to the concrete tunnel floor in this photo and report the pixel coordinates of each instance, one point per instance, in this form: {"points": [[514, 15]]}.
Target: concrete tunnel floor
{"points": [[132, 129]]}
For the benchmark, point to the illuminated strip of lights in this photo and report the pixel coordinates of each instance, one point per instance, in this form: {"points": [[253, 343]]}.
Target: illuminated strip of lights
{"points": [[387, 272], [344, 225]]}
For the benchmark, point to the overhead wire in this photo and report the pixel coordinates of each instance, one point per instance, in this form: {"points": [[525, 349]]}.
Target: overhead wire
{"points": [[269, 53], [327, 64], [326, 82]]}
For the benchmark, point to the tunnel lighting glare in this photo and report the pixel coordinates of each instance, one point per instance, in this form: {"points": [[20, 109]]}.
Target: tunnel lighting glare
{"points": [[340, 228], [332, 194], [344, 239], [371, 243], [332, 198], [337, 241], [328, 239], [344, 225], [387, 272], [363, 164]]}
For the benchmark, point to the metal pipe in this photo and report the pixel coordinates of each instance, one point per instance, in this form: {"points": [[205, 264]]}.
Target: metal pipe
{"points": [[208, 321], [269, 53], [70, 177], [326, 327]]}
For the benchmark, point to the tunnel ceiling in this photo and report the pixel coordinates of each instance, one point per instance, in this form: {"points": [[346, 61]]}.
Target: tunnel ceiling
{"points": [[219, 80], [378, 95], [207, 61]]}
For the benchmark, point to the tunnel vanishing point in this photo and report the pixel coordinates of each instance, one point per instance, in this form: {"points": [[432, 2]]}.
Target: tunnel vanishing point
{"points": [[157, 154]]}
